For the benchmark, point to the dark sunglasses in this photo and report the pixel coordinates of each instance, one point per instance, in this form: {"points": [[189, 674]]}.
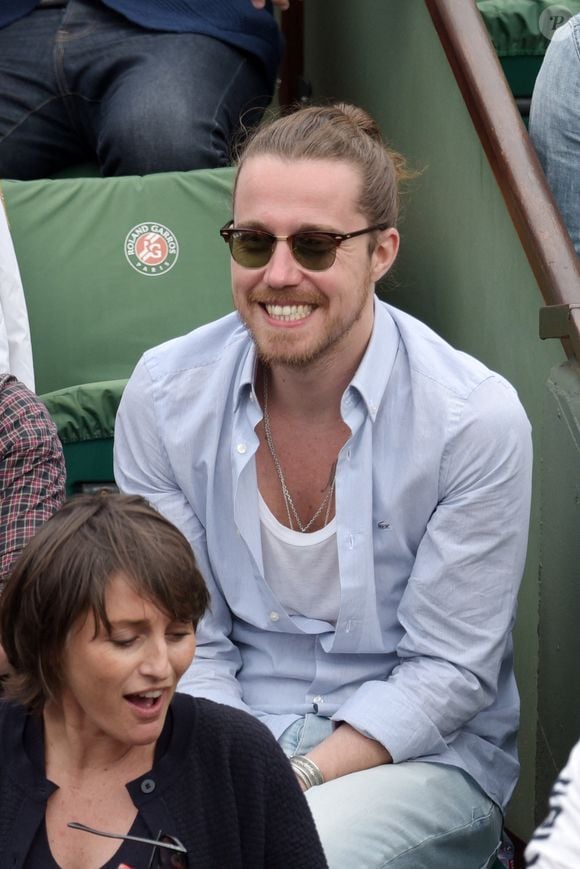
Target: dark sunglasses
{"points": [[314, 250], [167, 853]]}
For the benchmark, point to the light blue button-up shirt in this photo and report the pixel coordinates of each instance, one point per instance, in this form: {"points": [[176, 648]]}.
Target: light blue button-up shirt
{"points": [[432, 507]]}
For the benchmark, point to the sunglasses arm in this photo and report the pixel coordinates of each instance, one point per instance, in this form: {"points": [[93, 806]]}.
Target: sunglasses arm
{"points": [[74, 825]]}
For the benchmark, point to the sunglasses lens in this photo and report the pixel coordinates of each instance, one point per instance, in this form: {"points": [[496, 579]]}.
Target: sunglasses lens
{"points": [[251, 249], [314, 250]]}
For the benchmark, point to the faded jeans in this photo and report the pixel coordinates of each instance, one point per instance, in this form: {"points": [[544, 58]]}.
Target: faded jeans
{"points": [[555, 122], [82, 82], [409, 815]]}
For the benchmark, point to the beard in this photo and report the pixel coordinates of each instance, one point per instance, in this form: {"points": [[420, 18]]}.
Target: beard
{"points": [[282, 348]]}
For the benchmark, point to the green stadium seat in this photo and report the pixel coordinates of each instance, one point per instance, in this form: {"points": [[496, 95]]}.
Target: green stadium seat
{"points": [[85, 419], [515, 29], [110, 267]]}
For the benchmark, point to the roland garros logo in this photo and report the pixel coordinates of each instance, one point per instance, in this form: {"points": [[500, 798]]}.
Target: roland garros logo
{"points": [[151, 249]]}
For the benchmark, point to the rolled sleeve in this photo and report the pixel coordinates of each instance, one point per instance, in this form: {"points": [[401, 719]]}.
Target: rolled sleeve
{"points": [[459, 604]]}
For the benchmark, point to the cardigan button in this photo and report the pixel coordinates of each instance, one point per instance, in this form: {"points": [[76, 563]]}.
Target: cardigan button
{"points": [[147, 785]]}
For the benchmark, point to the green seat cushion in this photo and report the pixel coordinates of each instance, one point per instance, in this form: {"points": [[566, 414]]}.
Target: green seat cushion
{"points": [[514, 25], [85, 412], [85, 419], [514, 29]]}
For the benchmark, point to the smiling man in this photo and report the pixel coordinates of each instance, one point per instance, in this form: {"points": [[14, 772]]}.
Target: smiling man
{"points": [[357, 493]]}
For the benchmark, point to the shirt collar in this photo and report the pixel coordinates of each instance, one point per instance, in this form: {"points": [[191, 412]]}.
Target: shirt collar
{"points": [[244, 385], [372, 376]]}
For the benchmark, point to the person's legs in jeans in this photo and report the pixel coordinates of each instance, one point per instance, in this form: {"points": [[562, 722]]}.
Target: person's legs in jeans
{"points": [[36, 136], [83, 82], [410, 815], [555, 122], [177, 105], [154, 101]]}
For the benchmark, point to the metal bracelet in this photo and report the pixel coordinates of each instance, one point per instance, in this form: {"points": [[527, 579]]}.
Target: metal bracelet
{"points": [[305, 784], [307, 771]]}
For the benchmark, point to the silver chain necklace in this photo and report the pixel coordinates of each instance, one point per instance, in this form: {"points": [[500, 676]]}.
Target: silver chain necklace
{"points": [[288, 502]]}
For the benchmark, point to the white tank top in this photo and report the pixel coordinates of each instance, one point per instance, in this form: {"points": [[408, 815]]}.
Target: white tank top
{"points": [[301, 569]]}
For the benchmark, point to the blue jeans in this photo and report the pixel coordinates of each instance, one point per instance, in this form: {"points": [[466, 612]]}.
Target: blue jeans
{"points": [[555, 122], [82, 82], [409, 815]]}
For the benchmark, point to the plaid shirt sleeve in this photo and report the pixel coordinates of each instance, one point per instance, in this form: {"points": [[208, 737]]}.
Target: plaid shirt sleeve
{"points": [[32, 470]]}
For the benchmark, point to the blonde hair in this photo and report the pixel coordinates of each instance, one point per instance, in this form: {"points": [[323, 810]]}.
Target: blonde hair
{"points": [[337, 132]]}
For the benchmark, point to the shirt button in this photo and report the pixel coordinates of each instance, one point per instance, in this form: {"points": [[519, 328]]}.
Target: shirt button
{"points": [[373, 408], [147, 785], [241, 448], [318, 699], [274, 616]]}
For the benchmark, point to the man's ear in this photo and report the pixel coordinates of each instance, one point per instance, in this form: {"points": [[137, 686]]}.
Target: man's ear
{"points": [[385, 253]]}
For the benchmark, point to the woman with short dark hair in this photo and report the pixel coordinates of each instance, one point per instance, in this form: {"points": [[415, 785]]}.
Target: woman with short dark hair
{"points": [[101, 763]]}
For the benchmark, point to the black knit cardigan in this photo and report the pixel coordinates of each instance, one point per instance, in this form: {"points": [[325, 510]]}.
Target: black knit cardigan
{"points": [[222, 786]]}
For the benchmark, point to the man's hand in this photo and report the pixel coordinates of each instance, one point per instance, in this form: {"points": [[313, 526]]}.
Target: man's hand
{"points": [[281, 4]]}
